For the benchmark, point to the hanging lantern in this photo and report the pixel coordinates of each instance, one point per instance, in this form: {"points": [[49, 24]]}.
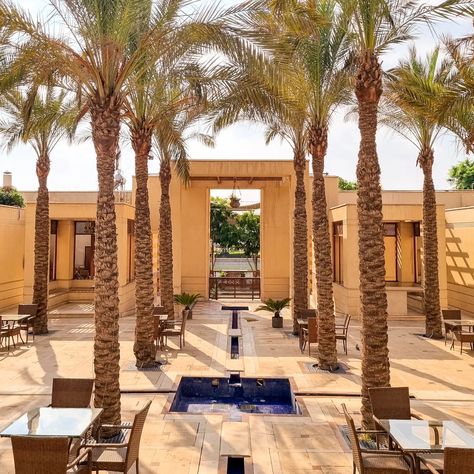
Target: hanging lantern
{"points": [[234, 198]]}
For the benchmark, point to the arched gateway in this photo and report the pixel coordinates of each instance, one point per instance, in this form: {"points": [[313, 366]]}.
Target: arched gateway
{"points": [[191, 220]]}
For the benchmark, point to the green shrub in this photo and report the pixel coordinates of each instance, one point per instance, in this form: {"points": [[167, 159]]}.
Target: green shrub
{"points": [[11, 197]]}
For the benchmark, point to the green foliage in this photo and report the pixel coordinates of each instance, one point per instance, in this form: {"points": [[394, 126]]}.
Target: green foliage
{"points": [[274, 306], [233, 231], [248, 234], [223, 230], [186, 299], [347, 185], [11, 197], [462, 174]]}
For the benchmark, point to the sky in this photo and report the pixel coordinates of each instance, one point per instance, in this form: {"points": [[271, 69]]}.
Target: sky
{"points": [[73, 166]]}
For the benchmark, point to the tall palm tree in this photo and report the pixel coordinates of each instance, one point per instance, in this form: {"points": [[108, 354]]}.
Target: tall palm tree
{"points": [[100, 45], [40, 117], [313, 39], [375, 27], [325, 57], [184, 107], [415, 87]]}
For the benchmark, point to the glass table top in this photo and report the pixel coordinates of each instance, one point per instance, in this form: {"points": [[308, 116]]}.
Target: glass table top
{"points": [[48, 421], [13, 318], [459, 322], [426, 435]]}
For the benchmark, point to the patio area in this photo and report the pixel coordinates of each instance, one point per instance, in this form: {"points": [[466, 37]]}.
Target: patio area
{"points": [[441, 381]]}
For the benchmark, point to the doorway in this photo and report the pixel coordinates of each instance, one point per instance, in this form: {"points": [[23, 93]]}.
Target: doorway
{"points": [[235, 236]]}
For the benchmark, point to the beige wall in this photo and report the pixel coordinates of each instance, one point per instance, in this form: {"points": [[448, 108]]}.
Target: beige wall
{"points": [[346, 295], [190, 216], [12, 235], [460, 258], [67, 209], [191, 220]]}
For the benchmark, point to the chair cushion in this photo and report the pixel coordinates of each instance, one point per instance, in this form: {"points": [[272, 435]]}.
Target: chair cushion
{"points": [[108, 459], [382, 463]]}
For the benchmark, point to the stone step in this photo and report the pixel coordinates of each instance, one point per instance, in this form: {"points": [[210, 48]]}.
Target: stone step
{"points": [[235, 439]]}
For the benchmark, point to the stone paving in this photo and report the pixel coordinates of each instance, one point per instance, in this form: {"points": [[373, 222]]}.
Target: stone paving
{"points": [[442, 382]]}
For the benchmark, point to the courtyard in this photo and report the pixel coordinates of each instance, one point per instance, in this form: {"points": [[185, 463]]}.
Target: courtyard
{"points": [[441, 383]]}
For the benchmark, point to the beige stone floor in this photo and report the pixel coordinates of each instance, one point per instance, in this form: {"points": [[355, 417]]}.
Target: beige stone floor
{"points": [[441, 380]]}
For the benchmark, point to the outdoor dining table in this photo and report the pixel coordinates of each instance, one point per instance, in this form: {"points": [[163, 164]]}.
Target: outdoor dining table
{"points": [[13, 320], [49, 421], [459, 322], [426, 436]]}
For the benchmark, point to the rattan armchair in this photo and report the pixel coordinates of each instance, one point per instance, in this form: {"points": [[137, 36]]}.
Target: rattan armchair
{"points": [[26, 325], [47, 455], [71, 393], [342, 331], [447, 315], [175, 327], [463, 337], [456, 461], [310, 334], [391, 403], [374, 461], [119, 457]]}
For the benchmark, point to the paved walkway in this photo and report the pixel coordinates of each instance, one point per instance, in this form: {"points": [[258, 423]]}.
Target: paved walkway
{"points": [[441, 380]]}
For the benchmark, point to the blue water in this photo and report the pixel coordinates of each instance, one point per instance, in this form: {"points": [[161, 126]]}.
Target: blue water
{"points": [[252, 395]]}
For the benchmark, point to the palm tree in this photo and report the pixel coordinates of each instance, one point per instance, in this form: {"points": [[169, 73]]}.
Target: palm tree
{"points": [[414, 89], [313, 41], [100, 45], [325, 57], [183, 110], [40, 117], [375, 27]]}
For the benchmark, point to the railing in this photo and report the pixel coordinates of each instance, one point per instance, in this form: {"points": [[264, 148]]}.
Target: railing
{"points": [[234, 287]]}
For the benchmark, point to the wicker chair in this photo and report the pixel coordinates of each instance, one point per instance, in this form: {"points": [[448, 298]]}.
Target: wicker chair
{"points": [[391, 403], [463, 337], [307, 313], [175, 327], [26, 325], [374, 461], [120, 457], [8, 332], [47, 455], [456, 461], [447, 315], [72, 393], [310, 334], [342, 331]]}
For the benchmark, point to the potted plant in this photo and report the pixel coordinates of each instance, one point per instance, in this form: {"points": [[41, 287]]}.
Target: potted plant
{"points": [[275, 307], [187, 300]]}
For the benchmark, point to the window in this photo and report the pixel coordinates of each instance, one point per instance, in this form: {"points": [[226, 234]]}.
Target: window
{"points": [[131, 250], [417, 249], [390, 241], [338, 252], [53, 242], [84, 250]]}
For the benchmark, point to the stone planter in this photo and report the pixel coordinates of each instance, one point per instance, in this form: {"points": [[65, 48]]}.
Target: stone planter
{"points": [[277, 322]]}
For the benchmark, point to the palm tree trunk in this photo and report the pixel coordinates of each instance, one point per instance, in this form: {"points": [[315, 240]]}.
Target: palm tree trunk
{"points": [[300, 240], [166, 240], [105, 122], [144, 347], [375, 361], [430, 247], [327, 353], [40, 285]]}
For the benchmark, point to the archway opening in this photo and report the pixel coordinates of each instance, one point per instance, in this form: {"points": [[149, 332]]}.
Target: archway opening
{"points": [[235, 228]]}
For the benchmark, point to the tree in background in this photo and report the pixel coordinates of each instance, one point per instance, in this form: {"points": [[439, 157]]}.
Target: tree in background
{"points": [[248, 236], [40, 117], [462, 174], [414, 88], [346, 185], [11, 197], [223, 228]]}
